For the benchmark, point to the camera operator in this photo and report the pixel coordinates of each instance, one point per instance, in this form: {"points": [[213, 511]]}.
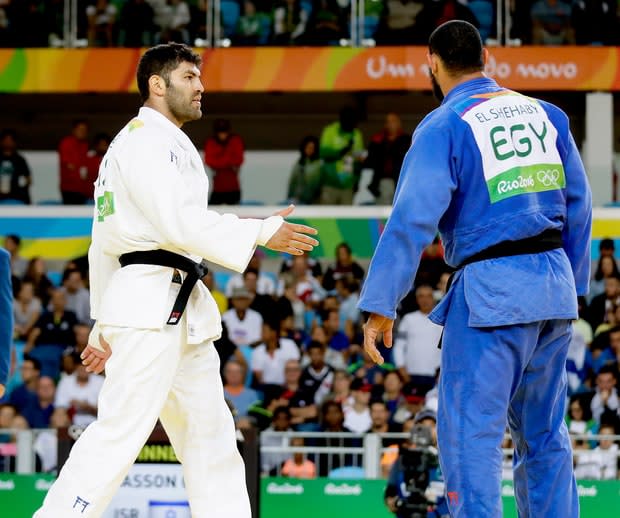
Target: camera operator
{"points": [[415, 486]]}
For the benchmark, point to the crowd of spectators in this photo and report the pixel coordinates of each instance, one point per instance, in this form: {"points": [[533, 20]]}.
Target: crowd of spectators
{"points": [[327, 172], [137, 23], [292, 358]]}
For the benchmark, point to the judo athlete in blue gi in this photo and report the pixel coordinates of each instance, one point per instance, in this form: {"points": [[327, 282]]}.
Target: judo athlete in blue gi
{"points": [[6, 318], [499, 175]]}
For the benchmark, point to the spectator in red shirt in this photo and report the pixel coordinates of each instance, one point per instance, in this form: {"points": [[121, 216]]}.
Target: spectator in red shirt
{"points": [[101, 143], [72, 151], [224, 155]]}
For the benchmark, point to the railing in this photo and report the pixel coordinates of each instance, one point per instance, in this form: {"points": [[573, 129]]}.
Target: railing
{"points": [[362, 451]]}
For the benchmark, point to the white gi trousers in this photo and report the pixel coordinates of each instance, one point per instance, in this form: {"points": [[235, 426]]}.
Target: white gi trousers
{"points": [[151, 374]]}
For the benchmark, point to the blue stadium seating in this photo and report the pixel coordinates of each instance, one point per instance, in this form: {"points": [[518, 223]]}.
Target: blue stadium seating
{"points": [[483, 11], [230, 12]]}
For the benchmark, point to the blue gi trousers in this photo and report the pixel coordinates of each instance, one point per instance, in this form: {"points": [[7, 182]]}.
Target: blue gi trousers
{"points": [[491, 377]]}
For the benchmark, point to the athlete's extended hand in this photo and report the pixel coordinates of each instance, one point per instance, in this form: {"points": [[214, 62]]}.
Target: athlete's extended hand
{"points": [[2, 389], [94, 359], [377, 324], [290, 237]]}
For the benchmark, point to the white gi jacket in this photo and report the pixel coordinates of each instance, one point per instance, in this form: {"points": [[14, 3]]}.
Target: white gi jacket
{"points": [[152, 193]]}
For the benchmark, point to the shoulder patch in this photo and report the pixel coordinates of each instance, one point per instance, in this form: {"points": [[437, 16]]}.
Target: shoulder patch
{"points": [[135, 124]]}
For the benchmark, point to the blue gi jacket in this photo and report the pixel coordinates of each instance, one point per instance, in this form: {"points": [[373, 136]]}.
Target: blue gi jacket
{"points": [[489, 165], [6, 315]]}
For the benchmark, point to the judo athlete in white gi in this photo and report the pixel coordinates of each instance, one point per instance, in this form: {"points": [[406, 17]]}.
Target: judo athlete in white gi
{"points": [[151, 195], [499, 175]]}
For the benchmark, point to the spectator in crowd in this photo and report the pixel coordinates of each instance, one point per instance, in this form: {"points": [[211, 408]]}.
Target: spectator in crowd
{"points": [[606, 267], [36, 273], [386, 152], [101, 23], [101, 143], [72, 153], [579, 360], [605, 399], [365, 369], [349, 315], [28, 26], [357, 416], [380, 418], [76, 295], [174, 22], [303, 276], [432, 264], [304, 185], [579, 417], [7, 413], [413, 403], [317, 377], [15, 177], [270, 357], [341, 388], [345, 267], [606, 246], [298, 466], [244, 324], [26, 310], [602, 306], [39, 411], [81, 332], [595, 22], [227, 350], [311, 264], [77, 394], [342, 151], [19, 265], [280, 422], [22, 395], [136, 23], [404, 22], [289, 22], [70, 361], [393, 391], [415, 348], [332, 420], [250, 30], [442, 11], [264, 284], [263, 304], [235, 391], [52, 334], [601, 463], [220, 299], [224, 155], [551, 23]]}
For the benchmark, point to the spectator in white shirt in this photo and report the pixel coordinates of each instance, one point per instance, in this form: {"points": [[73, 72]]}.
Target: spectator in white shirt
{"points": [[415, 349], [270, 357], [606, 394], [77, 393], [244, 324], [357, 416]]}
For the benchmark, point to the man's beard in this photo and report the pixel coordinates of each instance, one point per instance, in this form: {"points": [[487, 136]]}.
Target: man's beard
{"points": [[436, 88], [182, 110]]}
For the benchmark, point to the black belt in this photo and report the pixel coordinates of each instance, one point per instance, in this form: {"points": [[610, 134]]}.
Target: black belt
{"points": [[549, 239], [194, 271]]}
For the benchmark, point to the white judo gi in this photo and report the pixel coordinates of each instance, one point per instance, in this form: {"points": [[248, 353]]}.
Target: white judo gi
{"points": [[152, 194]]}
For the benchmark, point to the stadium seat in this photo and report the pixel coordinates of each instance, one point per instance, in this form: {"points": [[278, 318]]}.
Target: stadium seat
{"points": [[11, 202], [371, 22], [221, 279], [483, 11], [230, 12], [55, 278], [353, 472], [49, 202], [306, 5]]}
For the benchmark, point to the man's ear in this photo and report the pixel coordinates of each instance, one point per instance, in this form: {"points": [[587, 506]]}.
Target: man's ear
{"points": [[485, 56], [433, 63], [157, 85]]}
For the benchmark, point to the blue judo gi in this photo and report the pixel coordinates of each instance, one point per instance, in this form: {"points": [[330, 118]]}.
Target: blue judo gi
{"points": [[6, 315], [488, 166]]}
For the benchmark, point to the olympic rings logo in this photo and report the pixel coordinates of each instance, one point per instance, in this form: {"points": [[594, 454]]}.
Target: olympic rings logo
{"points": [[548, 177]]}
